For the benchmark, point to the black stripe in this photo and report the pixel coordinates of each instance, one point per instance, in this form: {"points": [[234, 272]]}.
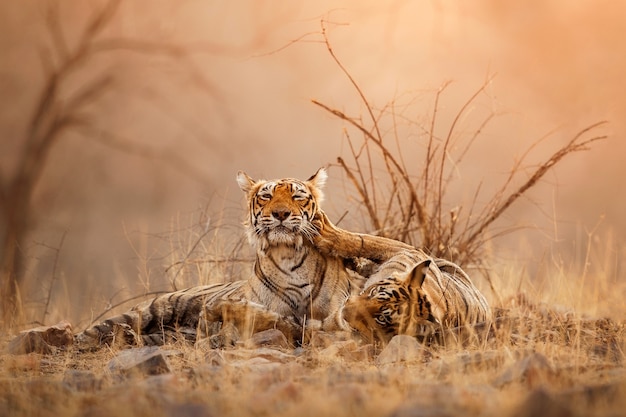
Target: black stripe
{"points": [[299, 264], [275, 289], [393, 261], [128, 319], [276, 264], [154, 313], [320, 270]]}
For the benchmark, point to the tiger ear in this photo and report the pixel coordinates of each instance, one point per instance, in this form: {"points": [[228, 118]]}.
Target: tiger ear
{"points": [[318, 180], [245, 181], [316, 183], [418, 274]]}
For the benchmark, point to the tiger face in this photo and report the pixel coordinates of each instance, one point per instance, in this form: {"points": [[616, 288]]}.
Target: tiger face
{"points": [[282, 212], [393, 306]]}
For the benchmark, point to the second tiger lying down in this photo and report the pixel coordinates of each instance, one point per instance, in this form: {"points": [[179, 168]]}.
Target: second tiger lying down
{"points": [[408, 293], [435, 299]]}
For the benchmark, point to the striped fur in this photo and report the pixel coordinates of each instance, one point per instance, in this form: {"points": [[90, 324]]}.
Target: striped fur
{"points": [[431, 299], [407, 292], [166, 318], [305, 270], [292, 282]]}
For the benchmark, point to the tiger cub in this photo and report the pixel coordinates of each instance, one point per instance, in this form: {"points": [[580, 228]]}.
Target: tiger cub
{"points": [[434, 301], [407, 291]]}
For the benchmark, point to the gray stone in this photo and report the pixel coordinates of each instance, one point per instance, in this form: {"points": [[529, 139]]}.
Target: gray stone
{"points": [[145, 361], [401, 348]]}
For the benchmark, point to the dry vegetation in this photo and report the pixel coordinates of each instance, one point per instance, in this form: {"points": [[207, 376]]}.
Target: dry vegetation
{"points": [[538, 359]]}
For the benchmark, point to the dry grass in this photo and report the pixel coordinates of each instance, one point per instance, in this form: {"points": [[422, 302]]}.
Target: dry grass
{"points": [[538, 357]]}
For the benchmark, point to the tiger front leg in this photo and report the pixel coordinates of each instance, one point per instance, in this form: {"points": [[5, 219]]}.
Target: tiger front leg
{"points": [[246, 318], [335, 241]]}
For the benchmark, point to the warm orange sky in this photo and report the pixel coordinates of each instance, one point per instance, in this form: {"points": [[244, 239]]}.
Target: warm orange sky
{"points": [[558, 66]]}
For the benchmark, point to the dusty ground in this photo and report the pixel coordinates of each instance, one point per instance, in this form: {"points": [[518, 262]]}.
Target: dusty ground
{"points": [[536, 362]]}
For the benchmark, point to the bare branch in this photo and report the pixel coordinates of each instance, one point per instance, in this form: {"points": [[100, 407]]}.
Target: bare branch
{"points": [[56, 32], [126, 145], [362, 192], [121, 303], [570, 147], [352, 81], [90, 93], [101, 20]]}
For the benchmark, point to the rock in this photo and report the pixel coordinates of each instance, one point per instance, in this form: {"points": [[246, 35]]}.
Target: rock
{"points": [[272, 355], [323, 340], [401, 348], [42, 339], [145, 361], [271, 337], [347, 350]]}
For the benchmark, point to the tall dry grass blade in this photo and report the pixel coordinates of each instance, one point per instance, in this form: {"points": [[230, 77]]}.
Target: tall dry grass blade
{"points": [[53, 277]]}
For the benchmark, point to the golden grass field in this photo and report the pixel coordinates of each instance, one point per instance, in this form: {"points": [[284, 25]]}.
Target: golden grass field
{"points": [[557, 345], [541, 358]]}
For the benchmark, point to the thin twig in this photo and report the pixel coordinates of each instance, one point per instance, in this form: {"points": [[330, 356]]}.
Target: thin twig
{"points": [[127, 300], [572, 146], [54, 276]]}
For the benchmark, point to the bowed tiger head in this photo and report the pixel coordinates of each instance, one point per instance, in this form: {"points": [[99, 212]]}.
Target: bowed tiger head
{"points": [[283, 211], [393, 306]]}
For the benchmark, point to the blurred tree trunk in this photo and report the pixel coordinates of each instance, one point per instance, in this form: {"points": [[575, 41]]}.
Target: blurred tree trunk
{"points": [[15, 196], [14, 221], [61, 106]]}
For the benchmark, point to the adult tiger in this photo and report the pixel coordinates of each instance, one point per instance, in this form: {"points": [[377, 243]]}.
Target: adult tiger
{"points": [[292, 281]]}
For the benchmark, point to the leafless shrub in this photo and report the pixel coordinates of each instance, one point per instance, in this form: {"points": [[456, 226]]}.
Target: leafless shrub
{"points": [[412, 207]]}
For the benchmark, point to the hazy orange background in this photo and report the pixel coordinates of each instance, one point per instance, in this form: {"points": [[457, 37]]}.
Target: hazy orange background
{"points": [[559, 66]]}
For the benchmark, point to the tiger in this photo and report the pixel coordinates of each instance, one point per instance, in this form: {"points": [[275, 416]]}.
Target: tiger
{"points": [[292, 282], [184, 316], [408, 293]]}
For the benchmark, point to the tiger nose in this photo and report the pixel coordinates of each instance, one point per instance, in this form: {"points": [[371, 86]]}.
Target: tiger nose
{"points": [[281, 214]]}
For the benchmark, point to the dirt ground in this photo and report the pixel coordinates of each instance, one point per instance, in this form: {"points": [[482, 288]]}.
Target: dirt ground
{"points": [[535, 361]]}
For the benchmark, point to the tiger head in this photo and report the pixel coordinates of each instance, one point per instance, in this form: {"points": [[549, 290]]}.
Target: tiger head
{"points": [[283, 211], [393, 306]]}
